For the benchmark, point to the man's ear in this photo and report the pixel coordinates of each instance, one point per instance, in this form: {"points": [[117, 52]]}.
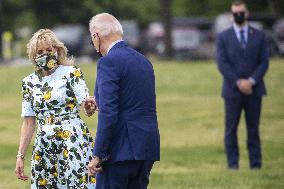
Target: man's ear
{"points": [[247, 14]]}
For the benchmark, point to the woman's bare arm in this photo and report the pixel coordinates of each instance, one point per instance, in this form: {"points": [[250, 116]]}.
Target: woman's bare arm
{"points": [[27, 130]]}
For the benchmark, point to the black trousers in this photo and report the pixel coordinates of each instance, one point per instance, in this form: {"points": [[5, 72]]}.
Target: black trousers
{"points": [[125, 175], [252, 108]]}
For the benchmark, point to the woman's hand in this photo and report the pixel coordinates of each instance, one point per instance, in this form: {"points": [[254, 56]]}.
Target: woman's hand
{"points": [[27, 131], [20, 169]]}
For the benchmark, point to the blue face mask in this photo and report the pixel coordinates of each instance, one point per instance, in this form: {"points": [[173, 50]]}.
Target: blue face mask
{"points": [[47, 61]]}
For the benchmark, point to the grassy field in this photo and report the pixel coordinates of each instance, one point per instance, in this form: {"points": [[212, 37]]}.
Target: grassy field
{"points": [[190, 113]]}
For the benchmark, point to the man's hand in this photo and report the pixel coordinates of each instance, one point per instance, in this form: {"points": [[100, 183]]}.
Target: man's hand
{"points": [[94, 166], [245, 86], [90, 105]]}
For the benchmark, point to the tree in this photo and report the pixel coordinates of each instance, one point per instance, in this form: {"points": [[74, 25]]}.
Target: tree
{"points": [[166, 18], [273, 6]]}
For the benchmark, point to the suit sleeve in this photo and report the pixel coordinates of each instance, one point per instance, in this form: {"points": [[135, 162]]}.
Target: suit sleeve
{"points": [[223, 62], [261, 69], [108, 91]]}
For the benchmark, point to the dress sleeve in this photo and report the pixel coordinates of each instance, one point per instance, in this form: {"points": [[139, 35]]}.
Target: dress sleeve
{"points": [[78, 85], [27, 107]]}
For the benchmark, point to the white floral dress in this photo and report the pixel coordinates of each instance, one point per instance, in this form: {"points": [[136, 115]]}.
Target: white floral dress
{"points": [[63, 144]]}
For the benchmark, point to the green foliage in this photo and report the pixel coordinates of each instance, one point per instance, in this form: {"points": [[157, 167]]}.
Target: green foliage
{"points": [[48, 13], [191, 121], [214, 7]]}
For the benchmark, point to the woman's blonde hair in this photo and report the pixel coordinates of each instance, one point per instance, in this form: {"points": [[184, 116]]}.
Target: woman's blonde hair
{"points": [[48, 36]]}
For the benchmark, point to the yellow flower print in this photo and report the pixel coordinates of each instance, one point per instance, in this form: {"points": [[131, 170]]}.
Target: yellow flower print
{"points": [[55, 174], [59, 134], [93, 180], [66, 134], [37, 156], [83, 179], [71, 106], [50, 120], [47, 95], [77, 73], [65, 153], [51, 63], [27, 91], [85, 132], [42, 182]]}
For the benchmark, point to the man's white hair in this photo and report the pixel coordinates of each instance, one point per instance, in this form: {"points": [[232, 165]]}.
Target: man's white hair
{"points": [[105, 24]]}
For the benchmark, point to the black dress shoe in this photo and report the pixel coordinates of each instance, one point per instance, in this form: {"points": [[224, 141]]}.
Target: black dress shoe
{"points": [[233, 167], [255, 167]]}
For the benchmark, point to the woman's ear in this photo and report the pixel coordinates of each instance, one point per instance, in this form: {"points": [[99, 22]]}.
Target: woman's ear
{"points": [[55, 48]]}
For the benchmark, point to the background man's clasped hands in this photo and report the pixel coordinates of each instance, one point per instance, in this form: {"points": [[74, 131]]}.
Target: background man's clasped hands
{"points": [[245, 86]]}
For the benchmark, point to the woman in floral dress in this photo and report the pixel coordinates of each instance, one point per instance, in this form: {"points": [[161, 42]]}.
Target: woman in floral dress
{"points": [[52, 96]]}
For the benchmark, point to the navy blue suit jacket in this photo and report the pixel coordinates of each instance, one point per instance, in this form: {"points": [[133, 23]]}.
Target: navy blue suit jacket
{"points": [[125, 94], [235, 62]]}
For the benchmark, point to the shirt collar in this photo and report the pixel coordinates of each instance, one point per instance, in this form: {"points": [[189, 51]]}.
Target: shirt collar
{"points": [[112, 44], [238, 28]]}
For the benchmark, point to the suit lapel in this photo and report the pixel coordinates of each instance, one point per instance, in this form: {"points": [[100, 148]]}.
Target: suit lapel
{"points": [[235, 39], [250, 37]]}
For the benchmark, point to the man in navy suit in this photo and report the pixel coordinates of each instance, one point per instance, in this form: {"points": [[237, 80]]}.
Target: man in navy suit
{"points": [[127, 139], [242, 57]]}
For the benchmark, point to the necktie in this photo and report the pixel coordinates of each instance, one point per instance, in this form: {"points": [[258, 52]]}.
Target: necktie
{"points": [[243, 41]]}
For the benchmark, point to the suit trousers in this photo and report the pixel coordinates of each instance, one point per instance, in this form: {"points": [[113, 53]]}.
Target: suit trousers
{"points": [[132, 174], [252, 107]]}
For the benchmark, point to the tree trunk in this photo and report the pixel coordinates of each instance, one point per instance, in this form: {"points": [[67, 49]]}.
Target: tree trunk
{"points": [[273, 6], [166, 18]]}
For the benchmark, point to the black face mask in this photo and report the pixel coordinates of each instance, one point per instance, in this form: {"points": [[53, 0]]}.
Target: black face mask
{"points": [[99, 52], [239, 17]]}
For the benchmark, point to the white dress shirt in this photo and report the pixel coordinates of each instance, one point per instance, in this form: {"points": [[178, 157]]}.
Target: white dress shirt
{"points": [[112, 44], [237, 30]]}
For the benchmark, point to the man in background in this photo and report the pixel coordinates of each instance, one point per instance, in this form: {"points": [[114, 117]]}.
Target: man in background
{"points": [[242, 58]]}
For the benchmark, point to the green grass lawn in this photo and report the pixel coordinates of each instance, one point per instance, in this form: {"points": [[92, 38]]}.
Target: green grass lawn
{"points": [[190, 113]]}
